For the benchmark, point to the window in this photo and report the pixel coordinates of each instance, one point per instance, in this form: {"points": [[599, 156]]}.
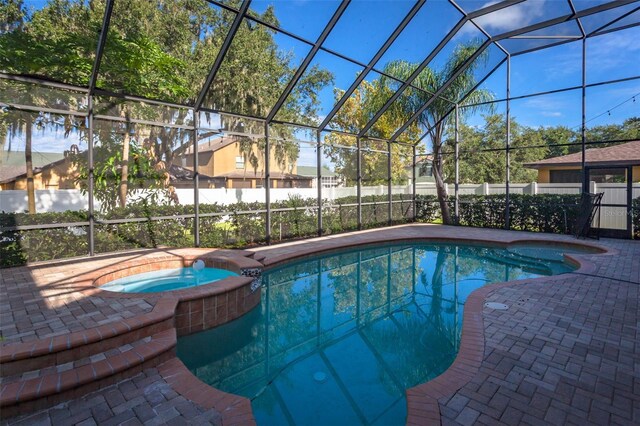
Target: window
{"points": [[608, 175], [425, 170], [239, 162], [565, 176]]}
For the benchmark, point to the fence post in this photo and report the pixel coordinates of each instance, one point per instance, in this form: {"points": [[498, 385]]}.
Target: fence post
{"points": [[534, 188], [267, 183], [359, 181], [592, 187], [485, 188], [413, 183], [319, 179]]}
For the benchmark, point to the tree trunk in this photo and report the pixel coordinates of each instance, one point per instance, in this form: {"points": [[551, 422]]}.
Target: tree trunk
{"points": [[443, 198], [436, 286], [31, 192], [124, 176]]}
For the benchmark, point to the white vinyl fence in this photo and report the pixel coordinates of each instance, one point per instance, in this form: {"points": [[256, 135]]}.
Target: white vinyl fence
{"points": [[50, 200]]}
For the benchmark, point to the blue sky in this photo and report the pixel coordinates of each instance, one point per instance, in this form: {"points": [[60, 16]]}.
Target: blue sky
{"points": [[366, 24]]}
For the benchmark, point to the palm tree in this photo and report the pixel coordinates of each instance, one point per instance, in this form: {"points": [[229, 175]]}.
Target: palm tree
{"points": [[433, 118]]}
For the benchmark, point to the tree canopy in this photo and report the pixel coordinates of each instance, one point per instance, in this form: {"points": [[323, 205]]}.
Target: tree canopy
{"points": [[158, 50]]}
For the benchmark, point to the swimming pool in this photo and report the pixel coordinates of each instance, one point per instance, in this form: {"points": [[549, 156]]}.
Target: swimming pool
{"points": [[340, 337], [167, 280]]}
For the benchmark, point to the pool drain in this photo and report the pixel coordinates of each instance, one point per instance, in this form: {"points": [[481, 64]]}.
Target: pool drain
{"points": [[319, 376], [497, 306]]}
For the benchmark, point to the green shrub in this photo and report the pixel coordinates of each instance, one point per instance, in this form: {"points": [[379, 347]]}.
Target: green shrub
{"points": [[243, 224], [299, 218], [427, 208], [19, 247], [538, 213]]}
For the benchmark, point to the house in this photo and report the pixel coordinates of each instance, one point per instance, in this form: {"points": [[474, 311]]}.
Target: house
{"points": [[221, 158], [221, 165], [567, 168], [329, 179], [423, 169], [50, 171]]}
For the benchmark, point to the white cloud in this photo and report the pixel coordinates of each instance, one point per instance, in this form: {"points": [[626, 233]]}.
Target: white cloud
{"points": [[551, 113], [546, 102], [512, 17], [614, 50]]}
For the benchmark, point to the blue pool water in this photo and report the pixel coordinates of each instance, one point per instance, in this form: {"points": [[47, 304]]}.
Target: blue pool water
{"points": [[167, 280], [339, 338]]}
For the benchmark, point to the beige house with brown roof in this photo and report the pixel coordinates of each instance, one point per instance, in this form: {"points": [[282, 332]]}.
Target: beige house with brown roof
{"points": [[222, 159], [567, 168], [51, 170], [221, 165]]}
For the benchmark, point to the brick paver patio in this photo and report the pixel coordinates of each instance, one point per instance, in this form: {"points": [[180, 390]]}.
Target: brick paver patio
{"points": [[36, 302], [566, 351], [144, 399]]}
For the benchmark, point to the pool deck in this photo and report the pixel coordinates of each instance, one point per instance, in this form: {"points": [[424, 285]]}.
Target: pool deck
{"points": [[566, 351]]}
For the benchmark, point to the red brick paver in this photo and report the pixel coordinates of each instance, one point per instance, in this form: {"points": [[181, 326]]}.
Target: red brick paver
{"points": [[565, 351], [144, 399]]}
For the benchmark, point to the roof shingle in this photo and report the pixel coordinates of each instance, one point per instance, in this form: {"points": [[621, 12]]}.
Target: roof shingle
{"points": [[623, 154]]}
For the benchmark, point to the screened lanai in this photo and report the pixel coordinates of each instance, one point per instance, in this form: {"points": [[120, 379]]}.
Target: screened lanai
{"points": [[319, 212], [128, 124]]}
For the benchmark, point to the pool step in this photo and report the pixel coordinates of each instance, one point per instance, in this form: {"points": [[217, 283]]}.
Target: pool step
{"points": [[33, 390], [19, 358]]}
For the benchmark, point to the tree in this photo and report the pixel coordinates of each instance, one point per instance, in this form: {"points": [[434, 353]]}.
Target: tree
{"points": [[112, 182], [558, 135], [161, 50], [483, 157], [628, 130], [352, 117], [435, 118]]}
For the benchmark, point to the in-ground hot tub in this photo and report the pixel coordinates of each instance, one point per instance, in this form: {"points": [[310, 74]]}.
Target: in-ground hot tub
{"points": [[167, 280], [222, 286]]}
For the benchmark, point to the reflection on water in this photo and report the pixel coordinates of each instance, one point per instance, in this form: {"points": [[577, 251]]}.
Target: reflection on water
{"points": [[337, 340]]}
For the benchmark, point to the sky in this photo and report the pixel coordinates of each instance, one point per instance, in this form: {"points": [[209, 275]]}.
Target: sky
{"points": [[366, 24]]}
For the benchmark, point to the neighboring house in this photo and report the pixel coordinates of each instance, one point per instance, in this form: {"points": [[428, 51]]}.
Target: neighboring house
{"points": [[423, 169], [50, 171], [567, 168], [221, 159], [221, 165], [329, 179]]}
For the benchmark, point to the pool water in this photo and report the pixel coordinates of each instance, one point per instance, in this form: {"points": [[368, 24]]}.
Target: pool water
{"points": [[338, 338], [167, 280]]}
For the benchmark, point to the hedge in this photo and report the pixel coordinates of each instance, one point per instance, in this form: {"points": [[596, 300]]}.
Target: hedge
{"points": [[243, 224], [232, 226], [538, 213], [553, 213]]}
